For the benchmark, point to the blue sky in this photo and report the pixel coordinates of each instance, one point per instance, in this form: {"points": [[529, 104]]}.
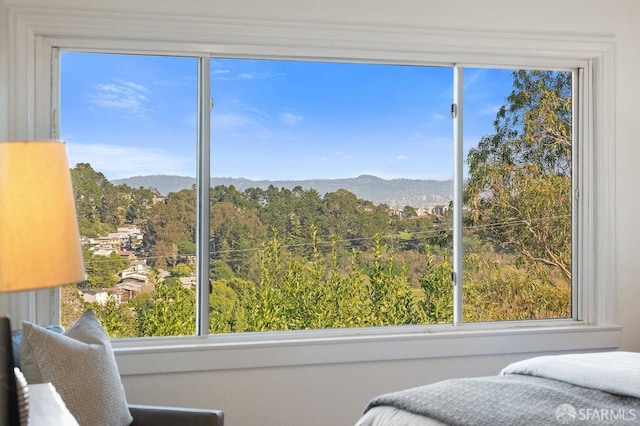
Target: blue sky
{"points": [[131, 115]]}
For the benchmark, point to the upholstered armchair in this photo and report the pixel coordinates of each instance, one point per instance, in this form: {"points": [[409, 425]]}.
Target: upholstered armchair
{"points": [[52, 358], [153, 415]]}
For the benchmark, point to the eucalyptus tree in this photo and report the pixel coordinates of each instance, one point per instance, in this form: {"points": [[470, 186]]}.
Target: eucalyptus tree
{"points": [[519, 184]]}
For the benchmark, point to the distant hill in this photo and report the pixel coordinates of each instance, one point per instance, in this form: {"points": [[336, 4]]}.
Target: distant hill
{"points": [[393, 192], [163, 183]]}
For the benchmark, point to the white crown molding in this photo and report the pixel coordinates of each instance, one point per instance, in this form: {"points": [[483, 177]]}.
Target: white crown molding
{"points": [[287, 38]]}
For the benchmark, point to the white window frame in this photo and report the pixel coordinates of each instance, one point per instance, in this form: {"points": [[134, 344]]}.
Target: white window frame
{"points": [[35, 33]]}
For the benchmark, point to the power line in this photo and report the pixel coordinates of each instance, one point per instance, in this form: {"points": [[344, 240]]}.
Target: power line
{"points": [[359, 242]]}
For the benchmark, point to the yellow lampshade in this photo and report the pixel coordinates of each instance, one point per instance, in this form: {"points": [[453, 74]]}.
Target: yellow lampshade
{"points": [[39, 237]]}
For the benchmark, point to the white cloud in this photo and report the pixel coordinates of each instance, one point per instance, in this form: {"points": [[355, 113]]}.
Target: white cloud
{"points": [[399, 157], [290, 118], [122, 95], [132, 86], [252, 75], [116, 161], [228, 75]]}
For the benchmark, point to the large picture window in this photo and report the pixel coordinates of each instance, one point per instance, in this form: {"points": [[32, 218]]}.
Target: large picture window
{"points": [[332, 194]]}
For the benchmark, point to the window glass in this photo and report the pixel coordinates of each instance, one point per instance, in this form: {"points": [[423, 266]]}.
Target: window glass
{"points": [[517, 195], [307, 255], [330, 194], [126, 116]]}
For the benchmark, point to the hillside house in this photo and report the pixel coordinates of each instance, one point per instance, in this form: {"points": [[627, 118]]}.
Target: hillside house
{"points": [[105, 251], [101, 297], [439, 209], [129, 288], [189, 282]]}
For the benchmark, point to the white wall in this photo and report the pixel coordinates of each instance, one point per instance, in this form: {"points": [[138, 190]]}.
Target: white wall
{"points": [[4, 44], [306, 396], [334, 394]]}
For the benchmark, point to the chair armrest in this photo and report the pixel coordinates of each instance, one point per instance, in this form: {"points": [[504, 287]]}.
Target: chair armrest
{"points": [[147, 415]]}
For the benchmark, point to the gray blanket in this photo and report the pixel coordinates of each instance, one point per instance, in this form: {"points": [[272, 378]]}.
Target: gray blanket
{"points": [[513, 400]]}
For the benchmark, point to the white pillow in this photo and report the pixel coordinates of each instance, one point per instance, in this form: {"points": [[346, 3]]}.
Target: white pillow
{"points": [[81, 366]]}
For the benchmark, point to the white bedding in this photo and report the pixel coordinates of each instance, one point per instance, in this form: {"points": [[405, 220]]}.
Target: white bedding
{"points": [[387, 415], [613, 372]]}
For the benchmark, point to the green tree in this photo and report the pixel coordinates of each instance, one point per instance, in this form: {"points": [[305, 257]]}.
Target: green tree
{"points": [[219, 270], [186, 248], [102, 207], [171, 225], [348, 300], [102, 271], [235, 235], [181, 270], [519, 186], [413, 233], [265, 307], [308, 293], [408, 212], [437, 287], [169, 312], [391, 296], [92, 190], [227, 303], [117, 319], [499, 292], [341, 210], [140, 204]]}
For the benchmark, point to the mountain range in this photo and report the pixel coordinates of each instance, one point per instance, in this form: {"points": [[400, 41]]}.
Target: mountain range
{"points": [[393, 192]]}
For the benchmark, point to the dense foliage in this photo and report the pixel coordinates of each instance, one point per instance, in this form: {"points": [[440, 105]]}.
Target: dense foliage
{"points": [[520, 177], [286, 259]]}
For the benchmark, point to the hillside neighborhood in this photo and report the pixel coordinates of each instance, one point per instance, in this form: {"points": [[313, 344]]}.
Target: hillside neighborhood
{"points": [[127, 243]]}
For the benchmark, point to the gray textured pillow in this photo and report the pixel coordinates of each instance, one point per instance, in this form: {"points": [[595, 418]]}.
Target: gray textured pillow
{"points": [[81, 366]]}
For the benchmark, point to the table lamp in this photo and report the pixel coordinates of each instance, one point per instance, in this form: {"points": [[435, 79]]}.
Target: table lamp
{"points": [[39, 237]]}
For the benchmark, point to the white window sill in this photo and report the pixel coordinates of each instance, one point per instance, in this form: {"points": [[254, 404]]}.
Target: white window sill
{"points": [[259, 350]]}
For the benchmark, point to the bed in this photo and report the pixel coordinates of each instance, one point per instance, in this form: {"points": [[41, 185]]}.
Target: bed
{"points": [[595, 388]]}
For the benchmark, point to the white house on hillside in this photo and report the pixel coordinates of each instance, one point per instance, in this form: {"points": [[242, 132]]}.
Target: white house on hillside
{"points": [[101, 297]]}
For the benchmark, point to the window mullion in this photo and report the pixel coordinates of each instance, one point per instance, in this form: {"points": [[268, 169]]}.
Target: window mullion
{"points": [[203, 184], [458, 155]]}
